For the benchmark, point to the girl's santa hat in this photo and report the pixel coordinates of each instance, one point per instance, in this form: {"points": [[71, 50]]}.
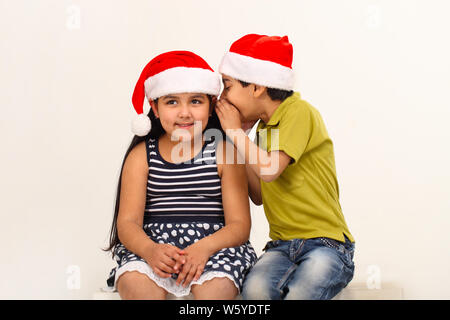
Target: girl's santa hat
{"points": [[262, 60], [171, 72]]}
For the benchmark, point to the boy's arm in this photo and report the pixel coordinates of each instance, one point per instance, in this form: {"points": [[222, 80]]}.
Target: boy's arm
{"points": [[267, 166], [254, 186], [294, 136]]}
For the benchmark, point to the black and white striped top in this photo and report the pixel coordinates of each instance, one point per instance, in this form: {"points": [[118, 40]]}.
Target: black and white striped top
{"points": [[184, 192]]}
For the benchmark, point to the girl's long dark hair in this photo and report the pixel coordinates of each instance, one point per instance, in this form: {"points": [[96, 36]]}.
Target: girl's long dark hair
{"points": [[156, 131]]}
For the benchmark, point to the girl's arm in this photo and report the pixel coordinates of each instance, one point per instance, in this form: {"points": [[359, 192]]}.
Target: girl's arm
{"points": [[131, 215]]}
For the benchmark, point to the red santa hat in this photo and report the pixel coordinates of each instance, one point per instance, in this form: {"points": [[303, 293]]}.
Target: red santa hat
{"points": [[170, 73], [260, 59]]}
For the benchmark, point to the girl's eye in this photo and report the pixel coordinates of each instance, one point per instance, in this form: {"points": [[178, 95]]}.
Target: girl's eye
{"points": [[226, 89], [196, 101], [171, 102]]}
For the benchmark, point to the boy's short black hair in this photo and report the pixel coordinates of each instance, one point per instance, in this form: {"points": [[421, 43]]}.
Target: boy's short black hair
{"points": [[274, 94]]}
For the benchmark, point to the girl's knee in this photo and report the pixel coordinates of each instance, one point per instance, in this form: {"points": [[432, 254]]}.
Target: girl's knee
{"points": [[216, 288], [135, 285], [129, 280], [223, 284]]}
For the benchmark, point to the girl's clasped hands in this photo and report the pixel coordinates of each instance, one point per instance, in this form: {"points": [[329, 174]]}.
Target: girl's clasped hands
{"points": [[167, 260]]}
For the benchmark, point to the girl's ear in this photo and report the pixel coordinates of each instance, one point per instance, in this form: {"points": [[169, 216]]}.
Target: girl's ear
{"points": [[154, 107]]}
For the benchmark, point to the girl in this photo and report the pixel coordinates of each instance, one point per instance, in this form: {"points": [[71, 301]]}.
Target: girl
{"points": [[181, 223]]}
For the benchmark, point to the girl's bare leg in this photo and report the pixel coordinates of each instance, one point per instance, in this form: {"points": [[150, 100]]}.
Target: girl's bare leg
{"points": [[133, 285], [215, 289]]}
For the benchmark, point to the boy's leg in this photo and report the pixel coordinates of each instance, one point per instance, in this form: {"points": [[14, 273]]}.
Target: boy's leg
{"points": [[267, 278], [324, 270]]}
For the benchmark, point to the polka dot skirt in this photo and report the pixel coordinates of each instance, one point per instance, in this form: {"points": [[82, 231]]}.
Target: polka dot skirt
{"points": [[232, 263]]}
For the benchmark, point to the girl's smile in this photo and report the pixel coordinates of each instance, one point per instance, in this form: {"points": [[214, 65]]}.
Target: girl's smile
{"points": [[185, 125]]}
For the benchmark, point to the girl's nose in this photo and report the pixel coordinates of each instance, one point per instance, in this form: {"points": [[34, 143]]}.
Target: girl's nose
{"points": [[184, 111]]}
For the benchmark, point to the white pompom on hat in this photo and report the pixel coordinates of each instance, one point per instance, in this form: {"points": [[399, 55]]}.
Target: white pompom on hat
{"points": [[170, 73]]}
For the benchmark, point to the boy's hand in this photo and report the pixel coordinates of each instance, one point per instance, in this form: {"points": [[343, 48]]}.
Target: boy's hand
{"points": [[196, 257], [229, 116]]}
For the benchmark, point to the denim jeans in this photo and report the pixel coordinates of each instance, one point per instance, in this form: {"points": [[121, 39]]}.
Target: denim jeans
{"points": [[301, 269]]}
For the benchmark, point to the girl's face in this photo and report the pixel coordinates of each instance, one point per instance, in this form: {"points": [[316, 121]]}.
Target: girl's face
{"points": [[183, 115]]}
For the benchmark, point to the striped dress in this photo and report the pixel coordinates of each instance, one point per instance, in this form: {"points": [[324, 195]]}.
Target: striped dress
{"points": [[184, 192], [184, 205]]}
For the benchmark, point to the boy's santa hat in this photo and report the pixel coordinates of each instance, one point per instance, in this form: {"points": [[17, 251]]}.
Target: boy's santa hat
{"points": [[261, 60], [170, 73]]}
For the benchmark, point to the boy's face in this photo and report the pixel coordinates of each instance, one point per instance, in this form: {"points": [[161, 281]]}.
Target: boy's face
{"points": [[239, 96]]}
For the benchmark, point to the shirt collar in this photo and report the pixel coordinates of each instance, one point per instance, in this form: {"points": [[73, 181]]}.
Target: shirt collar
{"points": [[276, 116]]}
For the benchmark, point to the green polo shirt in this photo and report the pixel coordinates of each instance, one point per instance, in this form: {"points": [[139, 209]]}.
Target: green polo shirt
{"points": [[303, 202]]}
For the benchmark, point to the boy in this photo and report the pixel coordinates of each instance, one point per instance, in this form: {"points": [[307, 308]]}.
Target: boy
{"points": [[291, 171]]}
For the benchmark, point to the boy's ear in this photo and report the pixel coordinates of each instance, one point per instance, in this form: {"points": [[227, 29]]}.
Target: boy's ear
{"points": [[258, 90], [153, 106]]}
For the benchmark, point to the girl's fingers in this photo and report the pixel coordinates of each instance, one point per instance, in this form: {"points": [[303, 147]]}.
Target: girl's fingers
{"points": [[175, 257], [198, 273], [177, 266], [168, 261], [183, 274], [163, 266], [172, 250], [179, 258], [189, 276], [180, 251], [161, 274], [166, 269]]}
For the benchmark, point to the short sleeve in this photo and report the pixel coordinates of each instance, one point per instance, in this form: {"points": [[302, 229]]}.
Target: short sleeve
{"points": [[294, 132]]}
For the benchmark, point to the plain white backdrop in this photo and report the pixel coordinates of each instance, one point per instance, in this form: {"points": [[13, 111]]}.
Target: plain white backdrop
{"points": [[377, 70]]}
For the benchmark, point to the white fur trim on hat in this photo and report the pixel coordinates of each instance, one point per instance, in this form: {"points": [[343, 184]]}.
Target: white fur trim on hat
{"points": [[180, 80], [262, 72]]}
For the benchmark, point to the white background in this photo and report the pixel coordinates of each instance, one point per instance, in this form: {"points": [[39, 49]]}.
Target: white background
{"points": [[378, 71]]}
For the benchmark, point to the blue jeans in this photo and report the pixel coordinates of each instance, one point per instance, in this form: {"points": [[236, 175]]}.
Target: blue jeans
{"points": [[301, 269]]}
